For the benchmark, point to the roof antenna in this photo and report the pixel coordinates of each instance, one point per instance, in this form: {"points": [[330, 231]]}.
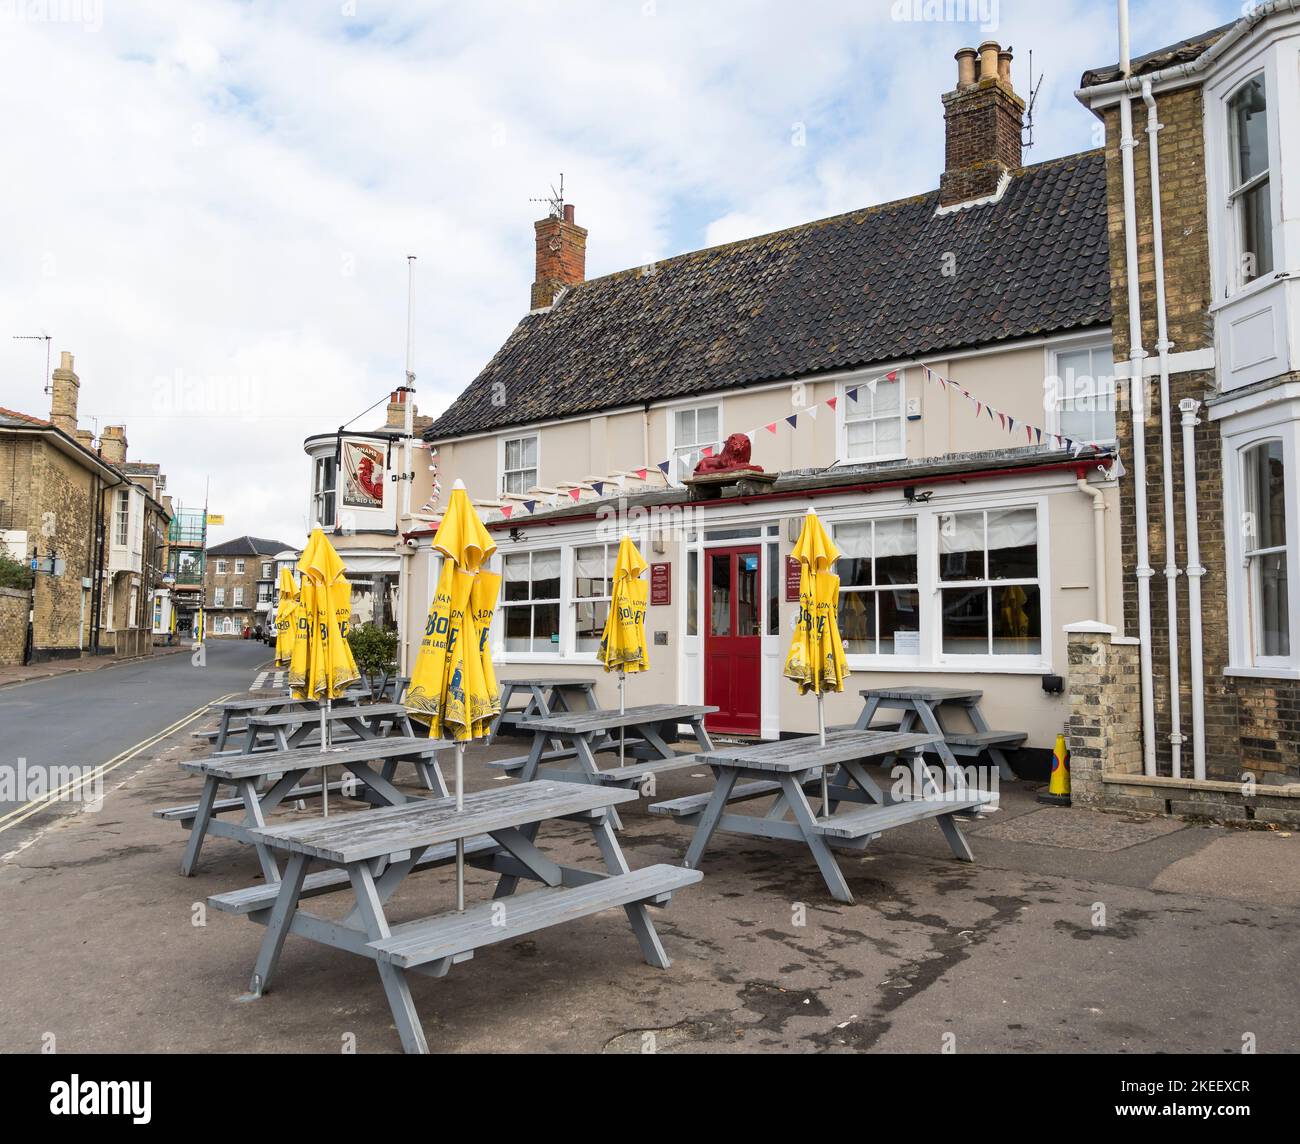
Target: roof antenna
{"points": [[46, 338], [555, 200], [1028, 131]]}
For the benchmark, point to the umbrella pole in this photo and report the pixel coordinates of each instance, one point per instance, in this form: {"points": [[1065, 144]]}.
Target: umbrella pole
{"points": [[460, 842], [622, 710], [324, 746], [821, 732]]}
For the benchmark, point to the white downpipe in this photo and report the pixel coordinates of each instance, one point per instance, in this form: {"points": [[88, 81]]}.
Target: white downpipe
{"points": [[1098, 543], [1137, 402], [1166, 441], [1188, 406]]}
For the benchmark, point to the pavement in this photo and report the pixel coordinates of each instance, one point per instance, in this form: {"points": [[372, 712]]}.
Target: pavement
{"points": [[1075, 931]]}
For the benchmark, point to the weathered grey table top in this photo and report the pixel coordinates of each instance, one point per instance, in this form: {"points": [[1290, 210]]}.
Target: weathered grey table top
{"points": [[391, 830], [262, 703], [548, 681], [334, 714], [583, 722], [306, 758], [923, 694], [788, 756]]}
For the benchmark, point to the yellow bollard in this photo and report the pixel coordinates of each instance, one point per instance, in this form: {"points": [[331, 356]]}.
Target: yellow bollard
{"points": [[1058, 787]]}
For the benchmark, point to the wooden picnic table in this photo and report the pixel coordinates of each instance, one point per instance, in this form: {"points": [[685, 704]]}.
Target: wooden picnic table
{"points": [[287, 769], [292, 728], [234, 713], [543, 696], [584, 734], [922, 708], [373, 852], [785, 768]]}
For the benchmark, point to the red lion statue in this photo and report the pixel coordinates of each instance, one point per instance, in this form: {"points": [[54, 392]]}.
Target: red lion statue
{"points": [[733, 458]]}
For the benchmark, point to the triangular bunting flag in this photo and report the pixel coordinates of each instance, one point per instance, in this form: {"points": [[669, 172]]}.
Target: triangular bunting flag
{"points": [[871, 385], [1002, 420], [979, 407], [853, 393], [576, 494], [599, 486], [770, 427], [707, 451], [529, 505], [641, 473], [663, 467], [1038, 434], [831, 401], [892, 375], [506, 510], [792, 420], [812, 412], [1029, 434]]}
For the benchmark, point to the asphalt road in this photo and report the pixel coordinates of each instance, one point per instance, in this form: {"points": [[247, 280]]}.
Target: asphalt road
{"points": [[87, 718]]}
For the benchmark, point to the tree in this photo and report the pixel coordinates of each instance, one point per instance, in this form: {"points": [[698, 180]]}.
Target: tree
{"points": [[375, 650], [14, 573]]}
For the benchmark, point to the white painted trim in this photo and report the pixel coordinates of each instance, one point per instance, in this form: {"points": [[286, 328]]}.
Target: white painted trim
{"points": [[842, 403], [1003, 183], [1189, 361], [512, 435]]}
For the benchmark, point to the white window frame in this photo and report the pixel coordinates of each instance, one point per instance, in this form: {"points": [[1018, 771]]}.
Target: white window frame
{"points": [[239, 567], [570, 612], [874, 590], [1236, 188], [221, 568], [536, 468], [845, 405], [1255, 430], [932, 657], [564, 647], [237, 598], [1053, 394], [320, 492], [266, 569], [678, 449], [218, 597], [122, 519]]}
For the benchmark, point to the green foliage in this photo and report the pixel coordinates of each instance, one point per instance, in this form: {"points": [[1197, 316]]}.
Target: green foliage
{"points": [[15, 574], [374, 648]]}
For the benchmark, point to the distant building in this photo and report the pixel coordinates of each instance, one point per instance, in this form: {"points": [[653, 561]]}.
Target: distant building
{"points": [[239, 584]]}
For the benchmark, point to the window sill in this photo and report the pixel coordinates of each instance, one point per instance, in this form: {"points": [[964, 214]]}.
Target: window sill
{"points": [[1259, 286], [981, 666], [1262, 672]]}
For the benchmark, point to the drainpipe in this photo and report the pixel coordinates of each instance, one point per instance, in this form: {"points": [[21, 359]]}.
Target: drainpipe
{"points": [[1098, 541], [1188, 406], [1137, 402], [1166, 441]]}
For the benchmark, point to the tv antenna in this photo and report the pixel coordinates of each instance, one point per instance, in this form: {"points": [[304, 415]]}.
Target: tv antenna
{"points": [[555, 200], [48, 384], [1034, 85]]}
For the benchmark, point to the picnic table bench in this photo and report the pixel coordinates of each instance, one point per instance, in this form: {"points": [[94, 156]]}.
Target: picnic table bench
{"points": [[293, 728], [544, 696], [373, 852], [923, 707], [288, 769], [785, 769]]}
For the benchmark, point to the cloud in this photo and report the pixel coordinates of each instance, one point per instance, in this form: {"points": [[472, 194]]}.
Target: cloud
{"points": [[210, 203]]}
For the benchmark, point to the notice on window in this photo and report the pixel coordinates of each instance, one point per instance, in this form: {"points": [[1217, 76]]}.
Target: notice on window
{"points": [[907, 643]]}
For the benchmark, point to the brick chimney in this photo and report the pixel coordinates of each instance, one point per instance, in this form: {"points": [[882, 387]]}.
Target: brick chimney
{"points": [[112, 444], [396, 410], [982, 119], [64, 388], [561, 256], [86, 439]]}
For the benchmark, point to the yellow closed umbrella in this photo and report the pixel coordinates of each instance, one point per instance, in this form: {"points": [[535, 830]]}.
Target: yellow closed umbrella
{"points": [[453, 681], [622, 644], [287, 612], [329, 668], [816, 659]]}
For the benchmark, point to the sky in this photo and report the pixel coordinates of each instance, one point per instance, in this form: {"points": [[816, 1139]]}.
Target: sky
{"points": [[210, 202]]}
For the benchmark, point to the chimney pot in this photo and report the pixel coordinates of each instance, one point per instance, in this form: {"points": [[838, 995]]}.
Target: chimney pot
{"points": [[989, 59], [568, 212], [966, 68], [1004, 66]]}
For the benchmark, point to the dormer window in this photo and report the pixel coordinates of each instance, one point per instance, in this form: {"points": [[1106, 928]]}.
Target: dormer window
{"points": [[1249, 196]]}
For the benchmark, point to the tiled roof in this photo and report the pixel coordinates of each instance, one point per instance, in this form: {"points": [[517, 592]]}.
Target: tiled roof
{"points": [[850, 291], [248, 546], [16, 420], [1180, 53]]}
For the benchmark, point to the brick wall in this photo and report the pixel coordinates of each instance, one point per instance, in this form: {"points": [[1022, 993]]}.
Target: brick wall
{"points": [[982, 139], [1103, 731], [561, 256], [1252, 725], [14, 606]]}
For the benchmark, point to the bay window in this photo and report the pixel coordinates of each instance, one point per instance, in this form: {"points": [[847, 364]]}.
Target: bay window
{"points": [[880, 600], [324, 478], [988, 572], [1264, 549], [530, 601], [873, 420], [1249, 195]]}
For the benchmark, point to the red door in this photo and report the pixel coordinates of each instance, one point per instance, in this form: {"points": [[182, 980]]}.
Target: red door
{"points": [[733, 639]]}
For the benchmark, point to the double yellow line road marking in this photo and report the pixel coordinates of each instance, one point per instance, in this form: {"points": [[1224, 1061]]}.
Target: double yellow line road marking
{"points": [[24, 812]]}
